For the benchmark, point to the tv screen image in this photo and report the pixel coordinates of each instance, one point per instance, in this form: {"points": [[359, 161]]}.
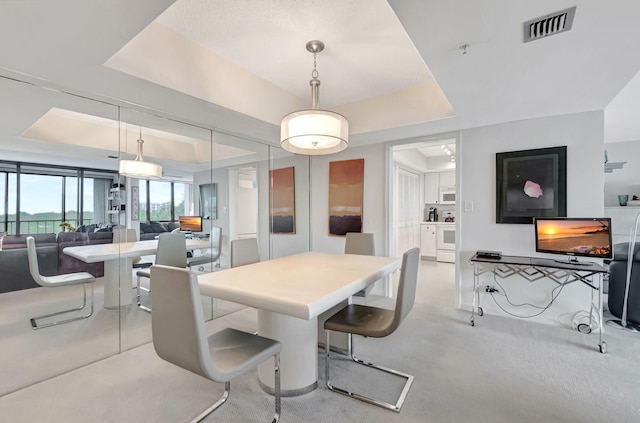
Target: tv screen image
{"points": [[190, 223], [586, 237]]}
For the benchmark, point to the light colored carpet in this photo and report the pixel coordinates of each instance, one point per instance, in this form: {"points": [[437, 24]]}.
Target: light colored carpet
{"points": [[501, 370]]}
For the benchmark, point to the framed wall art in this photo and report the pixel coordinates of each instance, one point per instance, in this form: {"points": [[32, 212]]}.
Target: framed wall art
{"points": [[208, 201], [531, 183], [346, 182], [282, 216]]}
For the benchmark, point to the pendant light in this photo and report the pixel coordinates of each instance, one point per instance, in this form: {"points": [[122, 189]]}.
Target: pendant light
{"points": [[138, 168], [314, 131]]}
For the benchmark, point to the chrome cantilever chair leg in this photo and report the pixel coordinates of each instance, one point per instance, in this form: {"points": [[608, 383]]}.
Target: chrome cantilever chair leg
{"points": [[394, 407], [138, 288], [35, 325], [227, 389]]}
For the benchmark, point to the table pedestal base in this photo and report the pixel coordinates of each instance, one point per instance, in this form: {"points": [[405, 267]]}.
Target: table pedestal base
{"points": [[117, 282], [299, 356]]}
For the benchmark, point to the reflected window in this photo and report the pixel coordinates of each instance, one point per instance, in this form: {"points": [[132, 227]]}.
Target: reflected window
{"points": [[160, 201], [40, 203]]}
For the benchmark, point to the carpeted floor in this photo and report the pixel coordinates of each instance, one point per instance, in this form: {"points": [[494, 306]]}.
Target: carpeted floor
{"points": [[501, 370]]}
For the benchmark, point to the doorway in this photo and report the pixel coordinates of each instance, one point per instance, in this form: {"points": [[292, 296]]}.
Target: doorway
{"points": [[420, 171]]}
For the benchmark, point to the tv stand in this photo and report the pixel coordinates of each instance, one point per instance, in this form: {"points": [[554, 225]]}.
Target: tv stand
{"points": [[562, 272], [574, 262]]}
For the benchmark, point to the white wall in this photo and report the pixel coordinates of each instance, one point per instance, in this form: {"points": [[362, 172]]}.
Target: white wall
{"points": [[627, 179], [583, 134]]}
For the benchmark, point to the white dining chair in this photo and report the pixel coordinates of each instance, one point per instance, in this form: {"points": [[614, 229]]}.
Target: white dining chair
{"points": [[363, 244], [244, 251], [179, 337], [80, 278], [172, 251], [215, 238]]}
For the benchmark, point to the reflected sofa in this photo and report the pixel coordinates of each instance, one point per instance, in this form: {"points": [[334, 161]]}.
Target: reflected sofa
{"points": [[618, 280], [14, 262], [150, 230]]}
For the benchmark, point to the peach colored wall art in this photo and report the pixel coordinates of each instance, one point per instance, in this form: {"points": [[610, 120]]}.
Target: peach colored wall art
{"points": [[345, 196], [283, 208]]}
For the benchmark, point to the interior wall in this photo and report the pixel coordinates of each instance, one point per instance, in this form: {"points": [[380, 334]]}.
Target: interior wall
{"points": [[219, 176], [583, 134], [625, 180]]}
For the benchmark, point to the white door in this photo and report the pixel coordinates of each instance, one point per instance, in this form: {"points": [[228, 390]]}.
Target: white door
{"points": [[407, 211]]}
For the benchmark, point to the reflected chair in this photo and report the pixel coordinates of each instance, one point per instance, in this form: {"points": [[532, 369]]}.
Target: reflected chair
{"points": [[244, 251], [179, 336], [83, 278], [215, 238], [171, 251], [377, 323], [363, 244]]}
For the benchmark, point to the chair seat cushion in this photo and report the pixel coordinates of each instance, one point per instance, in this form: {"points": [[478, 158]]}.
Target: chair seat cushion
{"points": [[362, 320], [234, 352], [69, 279]]}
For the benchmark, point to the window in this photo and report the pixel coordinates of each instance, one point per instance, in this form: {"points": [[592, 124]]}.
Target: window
{"points": [[180, 193], [160, 200], [40, 203]]}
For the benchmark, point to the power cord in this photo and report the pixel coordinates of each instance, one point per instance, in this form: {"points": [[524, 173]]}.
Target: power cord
{"points": [[542, 309]]}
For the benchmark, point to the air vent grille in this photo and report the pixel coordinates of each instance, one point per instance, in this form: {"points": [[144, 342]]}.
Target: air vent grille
{"points": [[552, 24]]}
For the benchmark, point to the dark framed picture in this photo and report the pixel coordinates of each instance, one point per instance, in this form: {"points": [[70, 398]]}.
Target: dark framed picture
{"points": [[209, 201], [531, 183]]}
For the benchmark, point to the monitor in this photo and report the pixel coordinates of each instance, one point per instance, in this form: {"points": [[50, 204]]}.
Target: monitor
{"points": [[586, 237], [190, 223]]}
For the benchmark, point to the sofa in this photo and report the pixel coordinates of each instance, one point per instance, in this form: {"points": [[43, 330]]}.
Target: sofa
{"points": [[150, 230], [14, 261], [618, 280]]}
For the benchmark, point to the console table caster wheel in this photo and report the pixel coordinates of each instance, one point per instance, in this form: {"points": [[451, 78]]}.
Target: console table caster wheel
{"points": [[603, 347], [584, 328], [472, 322], [480, 311]]}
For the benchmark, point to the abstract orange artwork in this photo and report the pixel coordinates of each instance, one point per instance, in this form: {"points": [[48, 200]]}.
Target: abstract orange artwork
{"points": [[345, 196], [283, 209]]}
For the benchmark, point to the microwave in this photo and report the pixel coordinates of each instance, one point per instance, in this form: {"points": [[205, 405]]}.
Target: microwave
{"points": [[448, 196]]}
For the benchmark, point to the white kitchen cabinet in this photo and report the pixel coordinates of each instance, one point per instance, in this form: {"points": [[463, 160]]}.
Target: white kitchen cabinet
{"points": [[431, 187], [447, 180], [428, 240]]}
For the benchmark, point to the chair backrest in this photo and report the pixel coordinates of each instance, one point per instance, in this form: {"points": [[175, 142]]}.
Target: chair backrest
{"points": [[34, 268], [124, 235], [172, 250], [244, 251], [359, 243], [177, 323], [215, 237], [406, 295]]}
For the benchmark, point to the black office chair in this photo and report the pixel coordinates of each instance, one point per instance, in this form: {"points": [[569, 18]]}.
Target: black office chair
{"points": [[377, 323]]}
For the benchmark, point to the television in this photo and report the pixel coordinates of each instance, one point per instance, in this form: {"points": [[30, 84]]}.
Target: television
{"points": [[190, 223], [584, 237]]}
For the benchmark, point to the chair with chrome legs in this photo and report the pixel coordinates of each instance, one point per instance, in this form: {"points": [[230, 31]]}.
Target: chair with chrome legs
{"points": [[244, 251], [179, 336], [172, 251], [215, 238], [80, 278], [377, 323], [363, 244]]}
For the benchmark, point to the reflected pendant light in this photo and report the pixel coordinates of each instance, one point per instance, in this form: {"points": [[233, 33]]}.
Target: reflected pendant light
{"points": [[138, 168], [314, 131]]}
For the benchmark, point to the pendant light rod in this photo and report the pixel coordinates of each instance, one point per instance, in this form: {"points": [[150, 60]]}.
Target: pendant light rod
{"points": [[315, 47]]}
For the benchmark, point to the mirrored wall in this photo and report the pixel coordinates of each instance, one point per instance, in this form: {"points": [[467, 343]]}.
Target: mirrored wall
{"points": [[60, 181]]}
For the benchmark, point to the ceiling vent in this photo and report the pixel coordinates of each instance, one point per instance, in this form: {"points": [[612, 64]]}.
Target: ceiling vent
{"points": [[552, 24]]}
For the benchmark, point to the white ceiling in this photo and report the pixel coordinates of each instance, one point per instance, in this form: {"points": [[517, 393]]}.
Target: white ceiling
{"points": [[242, 63]]}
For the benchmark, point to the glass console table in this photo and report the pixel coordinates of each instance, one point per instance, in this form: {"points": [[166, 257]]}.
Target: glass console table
{"points": [[535, 268]]}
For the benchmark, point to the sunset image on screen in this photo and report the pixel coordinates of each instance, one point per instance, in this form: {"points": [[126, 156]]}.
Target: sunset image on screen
{"points": [[574, 236]]}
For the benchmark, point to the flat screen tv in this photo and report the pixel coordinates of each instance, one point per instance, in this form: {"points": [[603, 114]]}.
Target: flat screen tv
{"points": [[190, 223], [585, 237]]}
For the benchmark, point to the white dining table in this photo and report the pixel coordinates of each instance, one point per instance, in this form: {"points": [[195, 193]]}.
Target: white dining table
{"points": [[118, 264], [290, 293]]}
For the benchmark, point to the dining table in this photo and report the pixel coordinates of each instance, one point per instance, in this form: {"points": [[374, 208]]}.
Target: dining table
{"points": [[118, 264], [290, 293]]}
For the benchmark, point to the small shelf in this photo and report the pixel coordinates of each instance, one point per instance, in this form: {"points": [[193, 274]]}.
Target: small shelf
{"points": [[609, 167]]}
